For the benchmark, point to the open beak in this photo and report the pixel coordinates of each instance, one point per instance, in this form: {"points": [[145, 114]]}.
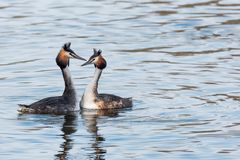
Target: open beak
{"points": [[87, 63], [74, 55]]}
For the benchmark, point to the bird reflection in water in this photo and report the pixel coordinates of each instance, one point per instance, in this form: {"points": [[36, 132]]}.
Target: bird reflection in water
{"points": [[90, 118], [68, 128]]}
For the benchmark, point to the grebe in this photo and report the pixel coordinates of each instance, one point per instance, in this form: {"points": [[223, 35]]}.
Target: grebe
{"points": [[60, 104], [91, 99]]}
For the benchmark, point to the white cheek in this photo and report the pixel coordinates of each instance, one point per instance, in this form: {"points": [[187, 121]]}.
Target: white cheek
{"points": [[68, 54], [95, 60]]}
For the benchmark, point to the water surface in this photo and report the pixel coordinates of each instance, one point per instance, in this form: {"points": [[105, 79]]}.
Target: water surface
{"points": [[179, 60]]}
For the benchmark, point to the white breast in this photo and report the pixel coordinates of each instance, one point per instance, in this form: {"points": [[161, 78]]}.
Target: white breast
{"points": [[90, 93], [88, 103], [88, 99]]}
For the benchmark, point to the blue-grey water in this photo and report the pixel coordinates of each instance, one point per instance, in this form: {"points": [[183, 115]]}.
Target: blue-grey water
{"points": [[179, 60]]}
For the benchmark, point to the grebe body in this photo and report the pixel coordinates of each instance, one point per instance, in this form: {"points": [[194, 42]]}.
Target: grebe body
{"points": [[91, 99], [59, 104]]}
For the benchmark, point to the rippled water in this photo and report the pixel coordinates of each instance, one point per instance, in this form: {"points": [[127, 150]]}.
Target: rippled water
{"points": [[179, 60]]}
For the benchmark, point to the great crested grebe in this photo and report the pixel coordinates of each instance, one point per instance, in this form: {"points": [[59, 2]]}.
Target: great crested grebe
{"points": [[91, 99], [60, 104]]}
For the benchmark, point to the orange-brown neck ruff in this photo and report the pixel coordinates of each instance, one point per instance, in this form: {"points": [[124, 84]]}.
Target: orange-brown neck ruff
{"points": [[62, 60], [100, 62]]}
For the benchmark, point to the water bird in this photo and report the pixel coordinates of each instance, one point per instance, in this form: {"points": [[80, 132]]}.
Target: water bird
{"points": [[91, 99], [60, 104]]}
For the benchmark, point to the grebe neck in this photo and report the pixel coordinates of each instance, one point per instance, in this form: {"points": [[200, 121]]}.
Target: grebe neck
{"points": [[96, 77], [69, 86], [93, 85]]}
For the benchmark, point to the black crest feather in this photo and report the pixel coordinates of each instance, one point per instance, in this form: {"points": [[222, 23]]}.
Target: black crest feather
{"points": [[96, 53], [99, 51], [66, 46]]}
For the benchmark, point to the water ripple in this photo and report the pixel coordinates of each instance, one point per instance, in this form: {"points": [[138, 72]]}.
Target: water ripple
{"points": [[19, 62], [179, 60]]}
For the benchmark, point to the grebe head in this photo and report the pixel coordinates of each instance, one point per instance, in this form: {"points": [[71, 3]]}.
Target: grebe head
{"points": [[96, 59], [65, 54]]}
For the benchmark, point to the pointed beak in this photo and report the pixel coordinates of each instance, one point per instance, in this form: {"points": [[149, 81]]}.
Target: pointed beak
{"points": [[87, 63], [74, 55]]}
